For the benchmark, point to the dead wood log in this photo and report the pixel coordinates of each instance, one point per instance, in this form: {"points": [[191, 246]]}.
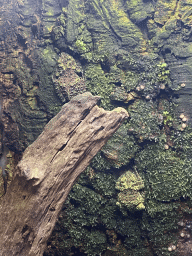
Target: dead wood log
{"points": [[48, 170]]}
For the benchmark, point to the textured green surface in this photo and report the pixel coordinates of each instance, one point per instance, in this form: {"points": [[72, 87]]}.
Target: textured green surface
{"points": [[130, 55], [134, 54]]}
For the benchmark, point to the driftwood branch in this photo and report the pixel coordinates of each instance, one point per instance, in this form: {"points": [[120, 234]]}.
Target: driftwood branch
{"points": [[48, 170]]}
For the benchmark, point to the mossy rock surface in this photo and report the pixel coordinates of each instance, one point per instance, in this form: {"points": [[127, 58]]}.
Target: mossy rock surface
{"points": [[118, 151], [136, 55], [67, 78]]}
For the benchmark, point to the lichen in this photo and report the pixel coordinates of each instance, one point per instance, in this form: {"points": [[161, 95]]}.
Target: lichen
{"points": [[130, 197], [129, 180]]}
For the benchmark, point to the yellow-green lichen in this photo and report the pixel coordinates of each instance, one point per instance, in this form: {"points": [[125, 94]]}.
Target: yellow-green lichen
{"points": [[130, 197], [129, 180], [81, 46]]}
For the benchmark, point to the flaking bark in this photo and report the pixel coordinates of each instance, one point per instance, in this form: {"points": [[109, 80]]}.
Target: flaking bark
{"points": [[48, 170]]}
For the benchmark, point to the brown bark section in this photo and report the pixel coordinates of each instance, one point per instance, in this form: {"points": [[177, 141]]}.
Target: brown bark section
{"points": [[48, 170]]}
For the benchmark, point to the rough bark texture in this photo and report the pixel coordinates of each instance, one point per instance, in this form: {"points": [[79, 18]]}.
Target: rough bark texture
{"points": [[48, 170], [137, 54]]}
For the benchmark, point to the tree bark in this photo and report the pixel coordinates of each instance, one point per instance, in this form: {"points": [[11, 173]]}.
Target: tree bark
{"points": [[48, 170]]}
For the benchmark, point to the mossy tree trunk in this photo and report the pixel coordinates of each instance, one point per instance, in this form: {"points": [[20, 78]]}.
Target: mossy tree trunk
{"points": [[48, 170]]}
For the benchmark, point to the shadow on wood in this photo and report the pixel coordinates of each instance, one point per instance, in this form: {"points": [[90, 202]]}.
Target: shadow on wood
{"points": [[48, 170]]}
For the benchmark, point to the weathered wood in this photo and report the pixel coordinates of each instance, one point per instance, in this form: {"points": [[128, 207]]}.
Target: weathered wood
{"points": [[47, 171]]}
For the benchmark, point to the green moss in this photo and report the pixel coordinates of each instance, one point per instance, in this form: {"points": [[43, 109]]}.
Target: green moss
{"points": [[48, 29], [123, 26], [154, 207], [74, 21], [50, 57], [87, 209], [162, 230], [113, 51], [25, 111], [165, 9], [145, 120], [92, 222], [167, 118], [138, 10], [119, 94], [77, 35], [32, 102], [81, 46], [49, 13], [118, 151], [48, 60], [163, 76], [67, 78], [98, 84], [62, 19], [168, 176]]}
